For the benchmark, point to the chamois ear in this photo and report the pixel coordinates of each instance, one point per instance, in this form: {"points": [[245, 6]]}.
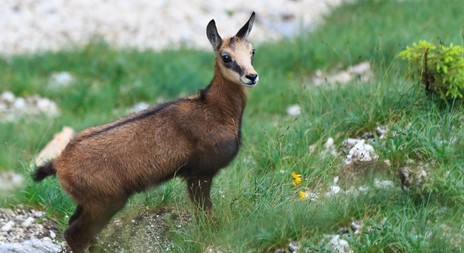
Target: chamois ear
{"points": [[213, 35], [246, 29]]}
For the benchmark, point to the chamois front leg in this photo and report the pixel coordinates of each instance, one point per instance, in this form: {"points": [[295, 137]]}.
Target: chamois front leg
{"points": [[76, 214], [199, 189]]}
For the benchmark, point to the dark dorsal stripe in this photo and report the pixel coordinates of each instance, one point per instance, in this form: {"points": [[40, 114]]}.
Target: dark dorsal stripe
{"points": [[131, 118]]}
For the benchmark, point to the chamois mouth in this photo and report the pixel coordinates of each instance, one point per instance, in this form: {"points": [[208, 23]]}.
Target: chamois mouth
{"points": [[250, 84]]}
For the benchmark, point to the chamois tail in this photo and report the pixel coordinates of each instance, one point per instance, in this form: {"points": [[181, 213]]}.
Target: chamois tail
{"points": [[41, 172]]}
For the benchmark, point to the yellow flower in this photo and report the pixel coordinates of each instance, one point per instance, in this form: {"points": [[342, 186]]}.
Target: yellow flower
{"points": [[296, 179], [303, 195]]}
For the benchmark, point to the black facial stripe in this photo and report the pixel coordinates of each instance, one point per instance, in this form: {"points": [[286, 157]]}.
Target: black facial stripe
{"points": [[235, 67]]}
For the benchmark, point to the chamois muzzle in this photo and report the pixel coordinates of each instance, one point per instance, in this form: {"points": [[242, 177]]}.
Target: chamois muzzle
{"points": [[252, 78]]}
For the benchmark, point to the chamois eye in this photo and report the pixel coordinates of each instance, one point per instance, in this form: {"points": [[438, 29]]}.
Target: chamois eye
{"points": [[253, 53], [226, 58]]}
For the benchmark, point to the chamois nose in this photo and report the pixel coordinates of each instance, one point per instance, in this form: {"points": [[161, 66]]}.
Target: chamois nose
{"points": [[252, 77]]}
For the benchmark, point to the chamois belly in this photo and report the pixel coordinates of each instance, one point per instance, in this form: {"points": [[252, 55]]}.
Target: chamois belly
{"points": [[210, 158]]}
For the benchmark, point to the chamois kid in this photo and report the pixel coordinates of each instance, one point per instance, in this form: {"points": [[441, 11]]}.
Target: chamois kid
{"points": [[192, 137]]}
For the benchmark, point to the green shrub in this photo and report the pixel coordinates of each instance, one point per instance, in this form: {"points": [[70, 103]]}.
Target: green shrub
{"points": [[439, 68]]}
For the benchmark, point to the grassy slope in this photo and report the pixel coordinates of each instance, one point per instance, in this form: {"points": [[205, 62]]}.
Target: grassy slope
{"points": [[256, 206]]}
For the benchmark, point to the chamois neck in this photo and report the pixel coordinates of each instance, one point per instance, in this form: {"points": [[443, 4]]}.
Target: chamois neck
{"points": [[228, 96]]}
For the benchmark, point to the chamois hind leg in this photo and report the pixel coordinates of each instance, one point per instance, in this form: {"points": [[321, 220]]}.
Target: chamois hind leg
{"points": [[199, 189], [86, 223]]}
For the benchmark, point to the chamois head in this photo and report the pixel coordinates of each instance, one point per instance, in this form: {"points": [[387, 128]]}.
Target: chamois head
{"points": [[234, 55]]}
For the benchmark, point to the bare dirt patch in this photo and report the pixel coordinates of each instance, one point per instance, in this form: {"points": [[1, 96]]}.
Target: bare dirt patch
{"points": [[147, 231]]}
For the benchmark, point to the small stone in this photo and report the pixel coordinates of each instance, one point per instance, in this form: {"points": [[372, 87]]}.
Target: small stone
{"points": [[350, 142], [333, 190], [33, 245], [294, 110], [383, 184], [61, 79], [336, 244], [38, 214], [7, 97], [404, 178], [20, 104], [356, 226], [18, 233], [343, 231], [294, 247], [8, 212], [37, 229], [8, 226], [139, 107], [13, 108], [329, 143], [387, 162], [421, 175], [312, 148], [46, 239], [363, 71], [52, 234], [361, 68], [342, 77], [28, 222], [360, 152], [211, 249], [363, 188], [47, 107], [368, 135], [381, 131], [330, 148]]}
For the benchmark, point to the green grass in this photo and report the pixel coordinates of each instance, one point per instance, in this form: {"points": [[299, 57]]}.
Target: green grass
{"points": [[256, 207]]}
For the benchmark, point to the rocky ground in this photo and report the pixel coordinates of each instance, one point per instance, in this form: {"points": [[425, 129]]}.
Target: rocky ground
{"points": [[31, 25], [148, 230], [25, 230]]}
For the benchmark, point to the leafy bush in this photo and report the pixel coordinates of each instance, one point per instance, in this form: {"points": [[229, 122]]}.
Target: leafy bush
{"points": [[440, 68]]}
